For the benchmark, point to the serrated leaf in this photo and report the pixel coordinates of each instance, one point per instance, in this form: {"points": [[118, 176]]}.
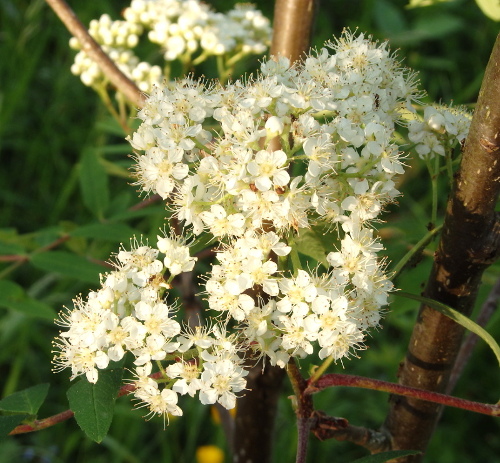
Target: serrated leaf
{"points": [[94, 182], [26, 401], [70, 265], [386, 456], [490, 8], [105, 231], [456, 316], [8, 423], [13, 297], [93, 404]]}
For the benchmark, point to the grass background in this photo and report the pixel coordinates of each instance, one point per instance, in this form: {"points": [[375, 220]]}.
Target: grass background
{"points": [[49, 120]]}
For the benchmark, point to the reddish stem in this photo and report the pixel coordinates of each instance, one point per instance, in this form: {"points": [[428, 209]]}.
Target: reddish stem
{"points": [[398, 389], [38, 425]]}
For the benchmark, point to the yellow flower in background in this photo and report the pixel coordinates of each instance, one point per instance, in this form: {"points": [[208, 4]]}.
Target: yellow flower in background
{"points": [[209, 454]]}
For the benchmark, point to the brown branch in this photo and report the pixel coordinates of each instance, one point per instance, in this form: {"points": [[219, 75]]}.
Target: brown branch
{"points": [[330, 427], [93, 49], [293, 24], [303, 411], [468, 245]]}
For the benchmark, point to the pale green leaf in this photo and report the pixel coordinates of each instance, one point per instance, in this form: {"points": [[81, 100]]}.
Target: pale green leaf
{"points": [[490, 8], [457, 317], [310, 244]]}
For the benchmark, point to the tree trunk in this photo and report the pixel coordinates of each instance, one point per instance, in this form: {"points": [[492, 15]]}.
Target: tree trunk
{"points": [[468, 245]]}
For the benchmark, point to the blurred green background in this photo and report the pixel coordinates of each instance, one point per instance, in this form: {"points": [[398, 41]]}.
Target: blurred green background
{"points": [[50, 122]]}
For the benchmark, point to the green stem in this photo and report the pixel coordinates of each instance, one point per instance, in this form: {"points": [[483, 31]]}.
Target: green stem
{"points": [[320, 370], [433, 173]]}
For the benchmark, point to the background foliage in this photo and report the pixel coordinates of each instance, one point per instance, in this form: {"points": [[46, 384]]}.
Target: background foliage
{"points": [[64, 176]]}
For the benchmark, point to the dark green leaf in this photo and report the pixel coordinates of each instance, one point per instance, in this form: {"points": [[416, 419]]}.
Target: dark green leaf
{"points": [[93, 404], [12, 246], [105, 231], [13, 297], [8, 423], [389, 17], [94, 182], [457, 317], [27, 401], [67, 264], [437, 25], [386, 456], [135, 213]]}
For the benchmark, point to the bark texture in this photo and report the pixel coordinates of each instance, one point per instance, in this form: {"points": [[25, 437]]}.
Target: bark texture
{"points": [[468, 245]]}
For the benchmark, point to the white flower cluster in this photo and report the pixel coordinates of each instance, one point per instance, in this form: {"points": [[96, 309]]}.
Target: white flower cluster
{"points": [[117, 39], [441, 128], [334, 116], [185, 29], [128, 314]]}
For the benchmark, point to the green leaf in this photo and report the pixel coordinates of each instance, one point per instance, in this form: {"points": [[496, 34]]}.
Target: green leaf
{"points": [[11, 248], [136, 213], [8, 423], [27, 401], [105, 231], [94, 182], [437, 25], [490, 8], [68, 264], [386, 456], [310, 244], [389, 18], [457, 317], [93, 404], [13, 297]]}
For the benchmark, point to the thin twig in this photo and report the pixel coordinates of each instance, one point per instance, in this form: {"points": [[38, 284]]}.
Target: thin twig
{"points": [[93, 49], [303, 411]]}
